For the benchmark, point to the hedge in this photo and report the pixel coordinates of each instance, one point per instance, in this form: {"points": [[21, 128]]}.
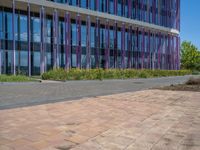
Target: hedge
{"points": [[93, 74], [17, 78]]}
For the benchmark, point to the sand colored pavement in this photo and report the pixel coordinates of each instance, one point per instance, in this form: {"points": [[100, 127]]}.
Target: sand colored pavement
{"points": [[143, 120]]}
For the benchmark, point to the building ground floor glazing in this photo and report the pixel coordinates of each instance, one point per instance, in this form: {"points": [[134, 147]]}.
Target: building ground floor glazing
{"points": [[34, 42]]}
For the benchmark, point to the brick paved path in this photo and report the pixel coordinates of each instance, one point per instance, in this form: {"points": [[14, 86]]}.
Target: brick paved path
{"points": [[143, 120]]}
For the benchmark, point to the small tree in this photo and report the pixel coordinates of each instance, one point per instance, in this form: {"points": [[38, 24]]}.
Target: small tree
{"points": [[190, 56]]}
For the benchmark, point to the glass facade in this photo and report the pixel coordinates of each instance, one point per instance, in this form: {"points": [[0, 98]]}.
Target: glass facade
{"points": [[159, 12], [34, 42]]}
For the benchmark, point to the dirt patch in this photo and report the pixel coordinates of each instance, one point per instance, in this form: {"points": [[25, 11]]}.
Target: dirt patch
{"points": [[182, 87], [193, 84]]}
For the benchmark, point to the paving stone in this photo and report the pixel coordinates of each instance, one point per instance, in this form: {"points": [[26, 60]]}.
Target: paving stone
{"points": [[150, 119]]}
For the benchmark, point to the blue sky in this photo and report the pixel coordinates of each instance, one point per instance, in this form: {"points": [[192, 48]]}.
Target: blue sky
{"points": [[190, 21]]}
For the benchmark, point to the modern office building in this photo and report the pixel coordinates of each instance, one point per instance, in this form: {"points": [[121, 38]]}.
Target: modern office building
{"points": [[38, 35]]}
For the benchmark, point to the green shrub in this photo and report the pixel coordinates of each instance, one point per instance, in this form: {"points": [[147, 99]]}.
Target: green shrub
{"points": [[100, 74]]}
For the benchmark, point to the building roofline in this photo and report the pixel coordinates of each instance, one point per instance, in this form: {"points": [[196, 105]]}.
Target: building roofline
{"points": [[63, 8]]}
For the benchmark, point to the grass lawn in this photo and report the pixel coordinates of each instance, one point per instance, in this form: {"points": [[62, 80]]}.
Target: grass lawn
{"points": [[17, 78]]}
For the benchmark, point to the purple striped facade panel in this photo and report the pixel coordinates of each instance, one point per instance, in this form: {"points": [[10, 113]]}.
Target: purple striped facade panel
{"points": [[123, 46], [54, 48], [129, 46], [56, 40], [149, 49], [179, 15], [122, 7], [159, 51], [42, 37], [115, 6], [137, 47], [97, 42], [143, 47], [178, 53], [143, 8], [0, 57], [130, 8], [78, 41], [167, 13], [169, 51], [13, 37], [107, 6], [29, 38], [149, 13], [97, 5], [67, 41], [115, 44], [107, 41], [173, 58], [88, 47], [136, 8], [166, 51], [154, 11], [155, 51]]}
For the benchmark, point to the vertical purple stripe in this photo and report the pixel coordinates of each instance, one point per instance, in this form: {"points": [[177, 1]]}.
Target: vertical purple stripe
{"points": [[177, 51], [149, 50], [78, 42], [122, 7], [107, 41], [115, 6], [115, 44], [159, 47], [169, 51], [42, 41], [54, 40], [143, 43], [129, 8], [107, 6], [153, 51], [97, 42], [67, 41], [166, 52], [137, 48], [173, 52], [154, 10], [123, 46], [129, 46], [29, 40], [13, 36], [57, 40], [97, 5], [88, 53], [0, 56]]}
